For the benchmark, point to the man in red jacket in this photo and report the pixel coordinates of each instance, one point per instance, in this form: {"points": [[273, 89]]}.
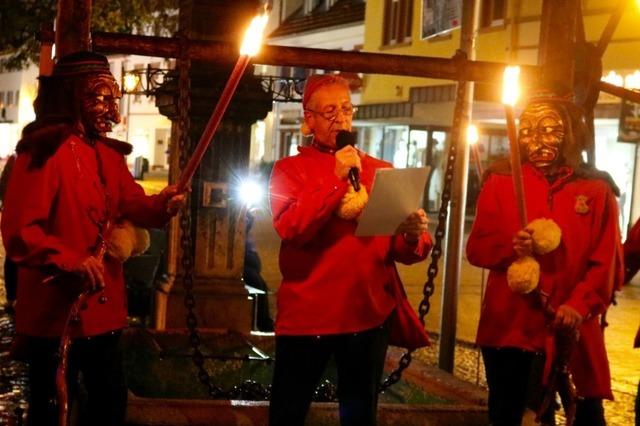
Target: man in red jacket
{"points": [[336, 292], [68, 182], [579, 277]]}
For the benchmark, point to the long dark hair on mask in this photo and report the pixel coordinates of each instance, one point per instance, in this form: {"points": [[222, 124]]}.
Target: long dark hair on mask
{"points": [[58, 111]]}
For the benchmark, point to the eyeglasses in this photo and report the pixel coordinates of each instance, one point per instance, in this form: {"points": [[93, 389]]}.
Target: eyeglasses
{"points": [[332, 113]]}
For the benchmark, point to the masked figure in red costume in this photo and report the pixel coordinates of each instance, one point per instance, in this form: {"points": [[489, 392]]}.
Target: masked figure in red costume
{"points": [[578, 277], [336, 292], [68, 181]]}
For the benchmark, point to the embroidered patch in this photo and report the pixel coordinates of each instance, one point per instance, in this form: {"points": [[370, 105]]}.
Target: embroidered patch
{"points": [[581, 204]]}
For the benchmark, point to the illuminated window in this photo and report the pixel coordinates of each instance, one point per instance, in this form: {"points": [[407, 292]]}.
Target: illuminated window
{"points": [[397, 21], [492, 13]]}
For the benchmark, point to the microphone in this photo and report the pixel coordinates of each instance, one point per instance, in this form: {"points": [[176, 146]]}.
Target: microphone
{"points": [[344, 138]]}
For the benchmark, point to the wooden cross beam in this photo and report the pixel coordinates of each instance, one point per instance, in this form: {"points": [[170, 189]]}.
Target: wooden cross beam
{"points": [[365, 62]]}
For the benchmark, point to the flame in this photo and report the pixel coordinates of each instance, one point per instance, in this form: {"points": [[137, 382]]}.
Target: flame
{"points": [[253, 36], [510, 86], [472, 134]]}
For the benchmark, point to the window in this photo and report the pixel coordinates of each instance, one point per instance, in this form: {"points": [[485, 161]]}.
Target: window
{"points": [[9, 98], [397, 21], [17, 97], [2, 99], [492, 13], [311, 6]]}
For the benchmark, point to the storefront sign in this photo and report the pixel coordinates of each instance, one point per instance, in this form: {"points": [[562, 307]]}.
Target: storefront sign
{"points": [[440, 16], [629, 128]]}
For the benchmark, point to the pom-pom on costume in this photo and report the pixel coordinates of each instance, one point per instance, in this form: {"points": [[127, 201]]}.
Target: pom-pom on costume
{"points": [[546, 235], [352, 204], [523, 275]]}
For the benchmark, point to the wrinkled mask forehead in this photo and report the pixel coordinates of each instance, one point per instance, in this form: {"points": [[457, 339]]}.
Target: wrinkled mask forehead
{"points": [[537, 110], [100, 84]]}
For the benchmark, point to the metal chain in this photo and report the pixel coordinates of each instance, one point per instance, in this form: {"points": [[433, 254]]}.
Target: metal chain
{"points": [[436, 252], [186, 243]]}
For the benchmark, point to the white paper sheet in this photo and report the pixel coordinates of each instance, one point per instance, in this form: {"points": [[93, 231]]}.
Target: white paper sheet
{"points": [[396, 193]]}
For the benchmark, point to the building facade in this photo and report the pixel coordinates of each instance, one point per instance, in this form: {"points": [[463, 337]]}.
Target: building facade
{"points": [[408, 119], [323, 24], [141, 125]]}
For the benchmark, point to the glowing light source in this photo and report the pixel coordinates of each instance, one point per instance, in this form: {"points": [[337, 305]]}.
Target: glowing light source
{"points": [[130, 82], [250, 46], [251, 192], [253, 36], [614, 78], [632, 81], [472, 134], [510, 86]]}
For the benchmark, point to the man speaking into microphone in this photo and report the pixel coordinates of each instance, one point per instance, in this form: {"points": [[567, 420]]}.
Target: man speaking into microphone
{"points": [[336, 295]]}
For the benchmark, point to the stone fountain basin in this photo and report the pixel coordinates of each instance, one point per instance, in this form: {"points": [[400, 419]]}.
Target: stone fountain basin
{"points": [[165, 391]]}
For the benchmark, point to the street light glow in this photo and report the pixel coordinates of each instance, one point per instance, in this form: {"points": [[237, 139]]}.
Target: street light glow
{"points": [[251, 193], [130, 82]]}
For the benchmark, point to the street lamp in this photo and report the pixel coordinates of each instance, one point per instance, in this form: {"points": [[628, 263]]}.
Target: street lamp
{"points": [[143, 81]]}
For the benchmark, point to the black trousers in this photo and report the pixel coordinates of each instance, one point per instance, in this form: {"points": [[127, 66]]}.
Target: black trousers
{"points": [[10, 279], [514, 377], [301, 360], [99, 360]]}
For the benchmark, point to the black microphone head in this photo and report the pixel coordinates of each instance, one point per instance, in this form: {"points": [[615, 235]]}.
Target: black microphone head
{"points": [[344, 138]]}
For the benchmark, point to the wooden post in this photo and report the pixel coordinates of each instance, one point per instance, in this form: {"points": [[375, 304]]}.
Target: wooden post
{"points": [[455, 234], [557, 34], [73, 26]]}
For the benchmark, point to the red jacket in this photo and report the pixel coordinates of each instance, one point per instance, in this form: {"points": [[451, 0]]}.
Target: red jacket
{"points": [[48, 225], [332, 281], [582, 273], [632, 262]]}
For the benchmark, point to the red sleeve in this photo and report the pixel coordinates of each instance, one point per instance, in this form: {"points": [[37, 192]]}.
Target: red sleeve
{"points": [[146, 211], [25, 218], [632, 252], [490, 244], [593, 294], [301, 206], [410, 253]]}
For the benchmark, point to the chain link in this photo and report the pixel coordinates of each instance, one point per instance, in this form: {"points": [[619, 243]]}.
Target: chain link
{"points": [[436, 252], [186, 243]]}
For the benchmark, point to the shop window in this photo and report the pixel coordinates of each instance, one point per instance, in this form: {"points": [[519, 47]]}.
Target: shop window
{"points": [[492, 13], [398, 15]]}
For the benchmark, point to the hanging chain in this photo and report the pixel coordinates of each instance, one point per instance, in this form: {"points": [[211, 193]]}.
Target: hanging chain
{"points": [[186, 243], [436, 252]]}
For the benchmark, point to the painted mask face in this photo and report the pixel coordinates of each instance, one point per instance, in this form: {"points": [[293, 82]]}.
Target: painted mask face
{"points": [[541, 133], [100, 104]]}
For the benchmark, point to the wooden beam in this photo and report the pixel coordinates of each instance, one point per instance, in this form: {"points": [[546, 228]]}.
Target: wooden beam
{"points": [[557, 35], [374, 63], [336, 60], [73, 26], [612, 24], [621, 92]]}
